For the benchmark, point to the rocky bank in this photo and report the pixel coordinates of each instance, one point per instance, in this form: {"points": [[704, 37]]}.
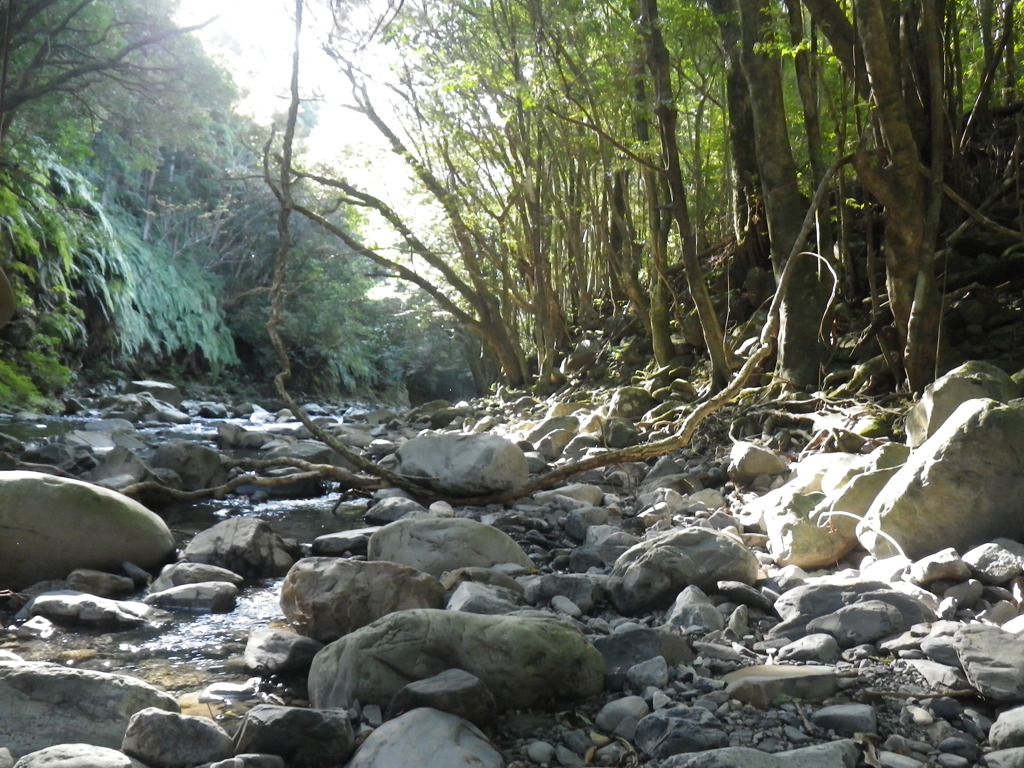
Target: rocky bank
{"points": [[765, 598]]}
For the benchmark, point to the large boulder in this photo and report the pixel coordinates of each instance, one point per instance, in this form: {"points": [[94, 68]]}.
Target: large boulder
{"points": [[526, 659], [436, 545], [244, 545], [198, 466], [49, 526], [648, 576], [961, 487], [326, 597], [973, 380], [464, 465], [305, 738], [45, 704], [164, 739]]}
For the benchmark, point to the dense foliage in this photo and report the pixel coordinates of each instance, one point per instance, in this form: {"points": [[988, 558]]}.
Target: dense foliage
{"points": [[637, 175]]}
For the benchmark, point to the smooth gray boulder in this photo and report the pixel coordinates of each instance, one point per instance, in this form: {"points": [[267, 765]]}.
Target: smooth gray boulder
{"points": [[275, 650], [993, 661], [305, 738], [164, 739], [44, 521], [244, 545], [455, 691], [959, 488], [649, 575], [973, 380], [198, 466], [326, 597], [45, 704], [462, 464], [436, 545], [799, 606], [67, 606], [78, 756], [526, 659], [427, 738]]}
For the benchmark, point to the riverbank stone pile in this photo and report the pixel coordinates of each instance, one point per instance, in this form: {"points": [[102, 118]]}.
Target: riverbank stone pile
{"points": [[858, 606]]}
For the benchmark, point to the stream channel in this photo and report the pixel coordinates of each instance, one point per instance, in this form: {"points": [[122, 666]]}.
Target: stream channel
{"points": [[195, 650]]}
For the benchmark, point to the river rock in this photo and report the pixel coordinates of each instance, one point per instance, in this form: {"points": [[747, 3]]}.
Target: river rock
{"points": [[436, 545], [762, 685], [278, 651], [305, 738], [455, 691], [993, 661], [463, 465], [427, 738], [649, 575], [78, 756], [198, 466], [392, 508], [162, 390], [867, 621], [804, 603], [973, 380], [326, 598], [204, 597], [45, 519], [67, 606], [959, 488], [693, 610], [1007, 732], [247, 546], [176, 574], [747, 461], [95, 707], [164, 739], [678, 729], [99, 583], [525, 659], [837, 754], [474, 597]]}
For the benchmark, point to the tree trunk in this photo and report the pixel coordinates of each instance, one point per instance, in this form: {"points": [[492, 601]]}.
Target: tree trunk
{"points": [[801, 350], [665, 110]]}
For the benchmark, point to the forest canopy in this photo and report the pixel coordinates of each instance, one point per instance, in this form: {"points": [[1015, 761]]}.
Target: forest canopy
{"points": [[575, 188]]}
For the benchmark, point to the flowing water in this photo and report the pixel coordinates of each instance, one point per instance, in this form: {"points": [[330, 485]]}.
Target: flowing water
{"points": [[186, 655]]}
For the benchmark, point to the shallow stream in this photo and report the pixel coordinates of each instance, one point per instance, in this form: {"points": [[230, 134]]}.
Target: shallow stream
{"points": [[194, 650]]}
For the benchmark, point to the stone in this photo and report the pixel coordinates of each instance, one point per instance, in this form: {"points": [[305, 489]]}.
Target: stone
{"points": [[693, 610], [44, 520], [198, 466], [958, 488], [455, 691], [525, 659], [627, 647], [77, 756], [353, 542], [996, 562], [161, 390], [427, 738], [866, 621], [818, 648], [66, 607], [1007, 731], [1005, 758], [649, 575], [586, 590], [747, 461], [944, 565], [973, 380], [304, 738], [244, 545], [993, 661], [180, 573], [678, 729], [392, 508], [802, 604], [99, 583], [837, 754], [204, 597], [631, 709], [162, 739], [326, 598], [846, 719], [474, 597], [95, 707], [279, 651], [463, 465], [763, 685], [436, 545], [629, 402]]}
